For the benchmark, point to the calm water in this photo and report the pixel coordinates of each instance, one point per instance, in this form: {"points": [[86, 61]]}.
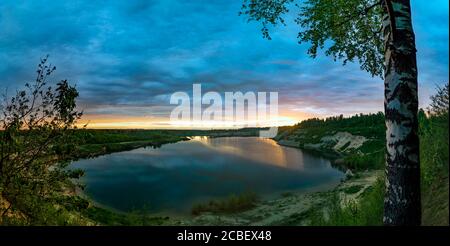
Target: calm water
{"points": [[176, 176]]}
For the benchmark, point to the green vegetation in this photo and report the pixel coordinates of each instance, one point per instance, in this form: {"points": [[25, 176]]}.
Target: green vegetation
{"points": [[373, 160], [70, 209], [91, 143], [39, 139], [434, 147], [368, 209], [356, 142], [353, 189], [232, 204], [434, 160], [350, 31], [99, 142], [38, 142], [287, 194], [134, 218], [435, 203]]}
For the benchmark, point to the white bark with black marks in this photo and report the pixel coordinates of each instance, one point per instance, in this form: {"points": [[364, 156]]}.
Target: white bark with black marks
{"points": [[402, 200]]}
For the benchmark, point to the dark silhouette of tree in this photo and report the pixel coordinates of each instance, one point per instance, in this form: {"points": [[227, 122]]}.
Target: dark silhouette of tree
{"points": [[36, 127], [378, 34], [439, 101], [335, 122]]}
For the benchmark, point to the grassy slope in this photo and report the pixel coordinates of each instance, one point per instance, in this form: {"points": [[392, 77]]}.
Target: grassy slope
{"points": [[434, 141], [291, 208], [310, 136], [435, 204], [369, 209]]}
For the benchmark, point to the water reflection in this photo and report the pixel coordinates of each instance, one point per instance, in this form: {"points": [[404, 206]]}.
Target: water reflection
{"points": [[175, 176], [266, 151]]}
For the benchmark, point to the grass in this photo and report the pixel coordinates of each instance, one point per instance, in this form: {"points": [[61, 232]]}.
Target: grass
{"points": [[368, 211], [434, 141], [232, 204], [63, 210], [434, 173], [360, 162], [353, 189], [136, 218], [287, 194], [95, 143], [92, 142], [435, 204], [369, 156]]}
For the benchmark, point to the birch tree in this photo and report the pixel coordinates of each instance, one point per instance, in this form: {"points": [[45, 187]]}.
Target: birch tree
{"points": [[377, 34]]}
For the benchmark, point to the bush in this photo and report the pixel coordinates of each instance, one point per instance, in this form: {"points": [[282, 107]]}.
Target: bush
{"points": [[360, 162], [133, 218], [368, 211], [232, 204], [434, 148]]}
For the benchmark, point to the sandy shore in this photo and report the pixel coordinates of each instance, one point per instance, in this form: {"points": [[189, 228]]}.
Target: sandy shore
{"points": [[289, 209]]}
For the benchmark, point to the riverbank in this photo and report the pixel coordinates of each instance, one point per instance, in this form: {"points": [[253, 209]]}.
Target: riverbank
{"points": [[291, 208], [355, 143], [93, 143], [356, 149], [307, 207]]}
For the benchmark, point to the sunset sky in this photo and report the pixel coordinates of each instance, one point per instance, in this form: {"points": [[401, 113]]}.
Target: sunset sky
{"points": [[128, 57]]}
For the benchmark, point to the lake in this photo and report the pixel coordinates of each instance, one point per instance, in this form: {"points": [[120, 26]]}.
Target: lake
{"points": [[175, 176]]}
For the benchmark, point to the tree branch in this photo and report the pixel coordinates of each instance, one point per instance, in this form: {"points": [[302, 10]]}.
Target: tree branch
{"points": [[359, 14]]}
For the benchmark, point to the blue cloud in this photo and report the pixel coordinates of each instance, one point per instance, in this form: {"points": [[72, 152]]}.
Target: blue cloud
{"points": [[136, 53]]}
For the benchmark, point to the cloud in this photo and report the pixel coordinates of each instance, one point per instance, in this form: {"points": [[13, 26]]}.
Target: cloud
{"points": [[128, 55]]}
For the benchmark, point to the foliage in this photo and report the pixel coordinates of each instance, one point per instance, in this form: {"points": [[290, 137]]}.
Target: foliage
{"points": [[371, 126], [266, 12], [435, 203], [434, 159], [366, 120], [434, 137], [232, 204], [368, 211], [353, 189], [36, 143], [94, 142], [348, 30], [365, 161], [99, 142], [91, 136], [434, 148], [439, 101], [134, 218]]}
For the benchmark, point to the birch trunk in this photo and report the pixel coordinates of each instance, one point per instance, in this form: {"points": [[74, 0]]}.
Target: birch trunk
{"points": [[402, 200]]}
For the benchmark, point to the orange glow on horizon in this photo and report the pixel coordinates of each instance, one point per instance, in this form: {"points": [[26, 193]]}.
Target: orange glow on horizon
{"points": [[99, 121]]}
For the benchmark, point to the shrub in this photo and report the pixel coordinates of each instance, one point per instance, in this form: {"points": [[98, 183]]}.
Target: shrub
{"points": [[232, 204], [368, 211]]}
